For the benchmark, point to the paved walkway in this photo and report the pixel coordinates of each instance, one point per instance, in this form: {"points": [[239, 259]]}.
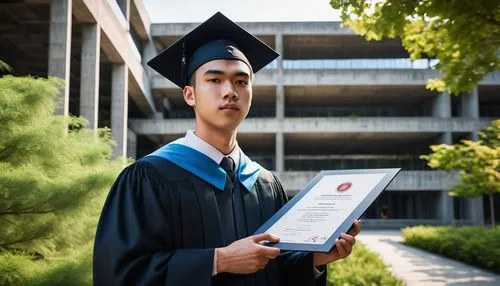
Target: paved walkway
{"points": [[418, 267]]}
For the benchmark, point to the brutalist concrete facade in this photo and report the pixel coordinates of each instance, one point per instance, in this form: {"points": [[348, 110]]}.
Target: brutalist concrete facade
{"points": [[331, 101]]}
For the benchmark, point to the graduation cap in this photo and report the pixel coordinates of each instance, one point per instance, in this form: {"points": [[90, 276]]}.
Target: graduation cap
{"points": [[217, 38]]}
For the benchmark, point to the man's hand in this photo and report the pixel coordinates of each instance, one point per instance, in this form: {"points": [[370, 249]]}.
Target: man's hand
{"points": [[246, 255], [343, 247]]}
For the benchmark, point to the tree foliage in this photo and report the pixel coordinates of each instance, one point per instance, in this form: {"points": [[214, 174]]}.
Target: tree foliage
{"points": [[463, 35], [52, 181], [478, 164]]}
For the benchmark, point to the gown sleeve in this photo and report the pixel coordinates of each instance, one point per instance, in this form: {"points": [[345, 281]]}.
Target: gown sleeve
{"points": [[134, 241], [296, 267]]}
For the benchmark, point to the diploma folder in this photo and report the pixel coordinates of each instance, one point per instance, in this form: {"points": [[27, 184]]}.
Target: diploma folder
{"points": [[338, 224]]}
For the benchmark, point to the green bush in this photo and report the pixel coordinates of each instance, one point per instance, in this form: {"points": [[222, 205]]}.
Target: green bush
{"points": [[477, 246], [72, 269], [54, 177], [362, 267]]}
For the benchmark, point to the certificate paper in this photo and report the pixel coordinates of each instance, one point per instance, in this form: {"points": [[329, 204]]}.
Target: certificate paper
{"points": [[326, 207]]}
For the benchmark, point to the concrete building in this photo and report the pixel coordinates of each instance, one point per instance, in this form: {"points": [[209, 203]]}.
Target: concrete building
{"points": [[96, 46], [332, 101]]}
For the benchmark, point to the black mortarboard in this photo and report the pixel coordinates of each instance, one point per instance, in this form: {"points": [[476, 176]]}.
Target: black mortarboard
{"points": [[216, 38]]}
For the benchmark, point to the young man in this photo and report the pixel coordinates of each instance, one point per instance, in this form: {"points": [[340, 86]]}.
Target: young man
{"points": [[186, 214]]}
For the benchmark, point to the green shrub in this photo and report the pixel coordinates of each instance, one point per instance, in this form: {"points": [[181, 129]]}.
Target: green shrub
{"points": [[477, 246], [13, 268], [72, 268], [362, 267], [54, 177]]}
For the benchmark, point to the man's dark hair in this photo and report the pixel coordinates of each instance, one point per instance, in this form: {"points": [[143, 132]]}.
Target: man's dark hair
{"points": [[192, 80]]}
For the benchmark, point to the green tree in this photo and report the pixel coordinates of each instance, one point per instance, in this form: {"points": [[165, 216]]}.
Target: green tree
{"points": [[52, 184], [477, 162], [463, 35]]}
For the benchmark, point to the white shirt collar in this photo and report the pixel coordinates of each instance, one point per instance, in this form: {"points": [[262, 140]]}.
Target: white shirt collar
{"points": [[195, 142]]}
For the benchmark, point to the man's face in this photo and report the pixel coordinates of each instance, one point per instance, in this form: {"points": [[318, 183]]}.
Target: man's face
{"points": [[222, 94]]}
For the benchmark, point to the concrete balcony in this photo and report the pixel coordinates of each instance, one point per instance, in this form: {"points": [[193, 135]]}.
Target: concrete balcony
{"points": [[404, 181], [301, 40], [353, 77], [139, 19], [341, 77], [381, 124], [260, 28], [179, 126], [344, 77], [159, 82], [322, 125], [116, 45], [358, 77]]}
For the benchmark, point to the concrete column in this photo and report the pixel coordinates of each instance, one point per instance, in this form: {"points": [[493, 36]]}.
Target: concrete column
{"points": [[125, 7], [445, 213], [475, 210], [280, 107], [280, 102], [470, 104], [442, 106], [470, 109], [60, 48], [418, 202], [89, 78], [280, 116], [131, 144], [280, 152], [280, 142], [148, 53], [119, 108], [442, 109], [280, 89], [445, 138], [158, 116]]}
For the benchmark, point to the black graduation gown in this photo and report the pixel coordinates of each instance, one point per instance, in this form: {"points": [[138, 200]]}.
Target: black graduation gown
{"points": [[160, 225]]}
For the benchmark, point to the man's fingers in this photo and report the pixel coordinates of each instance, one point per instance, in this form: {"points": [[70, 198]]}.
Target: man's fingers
{"points": [[349, 238], [269, 252], [340, 249], [264, 236], [264, 263], [347, 246], [356, 228]]}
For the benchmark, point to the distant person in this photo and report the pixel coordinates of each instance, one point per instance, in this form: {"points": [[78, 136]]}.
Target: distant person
{"points": [[384, 212]]}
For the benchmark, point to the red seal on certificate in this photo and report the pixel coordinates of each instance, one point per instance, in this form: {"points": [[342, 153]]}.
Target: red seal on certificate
{"points": [[344, 187]]}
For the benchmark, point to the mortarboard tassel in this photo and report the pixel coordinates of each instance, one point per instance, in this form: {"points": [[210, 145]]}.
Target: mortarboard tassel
{"points": [[183, 65]]}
